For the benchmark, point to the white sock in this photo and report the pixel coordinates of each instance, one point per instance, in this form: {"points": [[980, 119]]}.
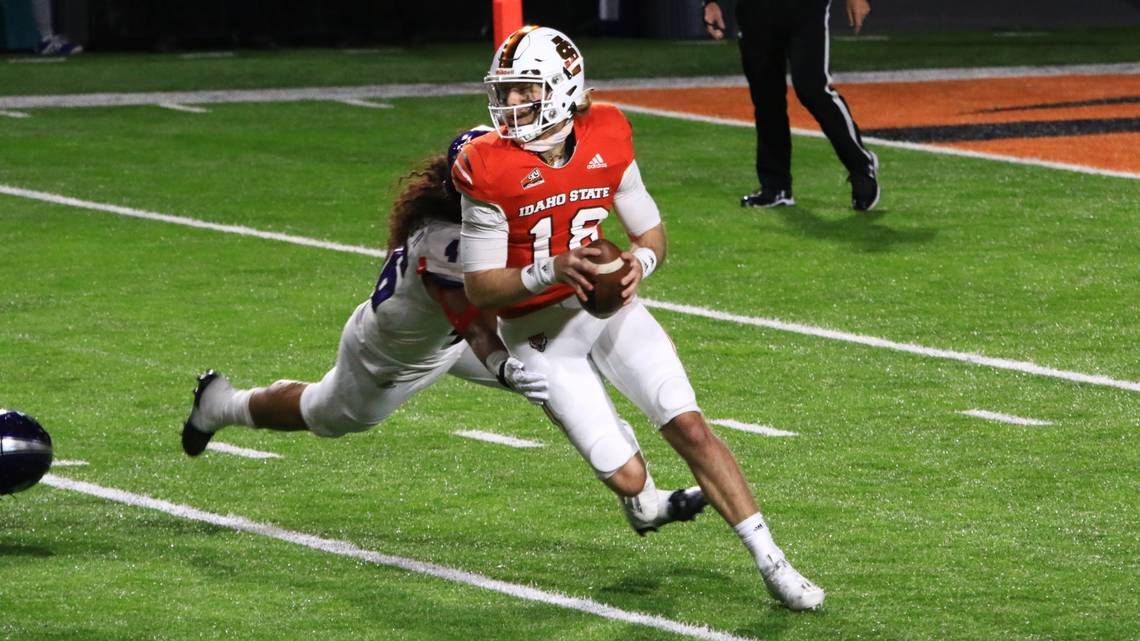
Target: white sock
{"points": [[222, 405], [650, 508], [754, 532]]}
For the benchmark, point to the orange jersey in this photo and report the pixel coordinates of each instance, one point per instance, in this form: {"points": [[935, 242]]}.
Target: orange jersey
{"points": [[549, 210]]}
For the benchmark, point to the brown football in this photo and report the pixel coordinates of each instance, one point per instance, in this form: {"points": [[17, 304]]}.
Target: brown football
{"points": [[605, 299]]}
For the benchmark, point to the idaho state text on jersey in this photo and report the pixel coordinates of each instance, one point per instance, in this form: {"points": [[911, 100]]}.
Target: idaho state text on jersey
{"points": [[575, 196]]}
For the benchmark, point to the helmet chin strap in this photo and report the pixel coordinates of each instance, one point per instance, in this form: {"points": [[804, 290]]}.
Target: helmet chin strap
{"points": [[543, 145]]}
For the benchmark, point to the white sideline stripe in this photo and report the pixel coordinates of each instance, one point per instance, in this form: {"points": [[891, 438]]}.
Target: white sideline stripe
{"points": [[474, 88], [188, 222], [242, 95], [187, 108], [966, 357], [766, 430], [913, 146], [364, 103], [14, 114], [770, 323], [347, 549], [226, 448], [206, 55], [501, 439], [1004, 418], [67, 463]]}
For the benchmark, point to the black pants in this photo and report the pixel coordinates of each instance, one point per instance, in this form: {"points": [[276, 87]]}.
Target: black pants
{"points": [[774, 33]]}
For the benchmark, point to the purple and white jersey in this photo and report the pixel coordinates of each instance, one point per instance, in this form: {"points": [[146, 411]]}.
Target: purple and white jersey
{"points": [[403, 324]]}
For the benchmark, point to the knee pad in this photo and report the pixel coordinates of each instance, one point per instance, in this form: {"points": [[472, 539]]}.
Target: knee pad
{"points": [[610, 452], [675, 396], [326, 417], [335, 427]]}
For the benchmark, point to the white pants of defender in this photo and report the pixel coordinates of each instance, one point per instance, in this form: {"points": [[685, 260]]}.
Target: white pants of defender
{"points": [[575, 349], [363, 388]]}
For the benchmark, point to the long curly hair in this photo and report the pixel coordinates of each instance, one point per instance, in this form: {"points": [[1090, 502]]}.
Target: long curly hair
{"points": [[425, 197]]}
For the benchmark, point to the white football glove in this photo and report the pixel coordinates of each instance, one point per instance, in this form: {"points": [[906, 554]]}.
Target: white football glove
{"points": [[532, 385]]}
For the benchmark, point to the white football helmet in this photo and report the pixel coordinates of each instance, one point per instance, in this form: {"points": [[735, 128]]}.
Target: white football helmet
{"points": [[546, 59]]}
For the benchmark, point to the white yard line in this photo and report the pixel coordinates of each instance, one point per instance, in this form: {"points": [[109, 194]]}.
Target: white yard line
{"points": [[188, 222], [347, 549], [245, 452], [912, 146], [500, 439], [364, 103], [1005, 418], [882, 343], [186, 108], [39, 60], [14, 114], [704, 312], [766, 430], [67, 463]]}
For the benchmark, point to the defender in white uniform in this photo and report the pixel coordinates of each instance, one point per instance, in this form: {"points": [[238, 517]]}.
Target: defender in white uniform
{"points": [[417, 325]]}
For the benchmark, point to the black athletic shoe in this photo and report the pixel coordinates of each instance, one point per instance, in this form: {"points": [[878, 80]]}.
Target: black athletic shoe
{"points": [[194, 440], [765, 197], [684, 505], [865, 187]]}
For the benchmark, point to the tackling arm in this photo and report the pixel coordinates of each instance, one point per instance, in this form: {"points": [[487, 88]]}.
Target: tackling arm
{"points": [[479, 328]]}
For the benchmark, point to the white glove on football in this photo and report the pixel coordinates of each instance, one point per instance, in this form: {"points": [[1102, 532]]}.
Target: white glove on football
{"points": [[532, 385]]}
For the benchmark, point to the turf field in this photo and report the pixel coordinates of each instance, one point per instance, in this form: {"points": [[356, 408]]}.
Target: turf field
{"points": [[921, 522]]}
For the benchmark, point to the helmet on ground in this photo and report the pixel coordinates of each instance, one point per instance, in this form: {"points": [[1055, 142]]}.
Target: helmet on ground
{"points": [[549, 66], [25, 451]]}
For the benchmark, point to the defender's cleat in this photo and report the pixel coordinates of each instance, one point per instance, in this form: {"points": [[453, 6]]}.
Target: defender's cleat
{"points": [[683, 505], [57, 46], [865, 187], [765, 198], [195, 440], [789, 587]]}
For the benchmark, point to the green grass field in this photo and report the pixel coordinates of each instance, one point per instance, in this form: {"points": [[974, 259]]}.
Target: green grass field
{"points": [[920, 522]]}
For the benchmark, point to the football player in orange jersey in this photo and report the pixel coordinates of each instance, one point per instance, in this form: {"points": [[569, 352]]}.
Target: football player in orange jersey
{"points": [[533, 198]]}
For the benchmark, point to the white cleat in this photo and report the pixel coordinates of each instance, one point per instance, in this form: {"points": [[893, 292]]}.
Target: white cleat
{"points": [[789, 587]]}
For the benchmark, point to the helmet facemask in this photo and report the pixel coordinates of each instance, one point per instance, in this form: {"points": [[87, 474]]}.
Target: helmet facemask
{"points": [[543, 70], [527, 119]]}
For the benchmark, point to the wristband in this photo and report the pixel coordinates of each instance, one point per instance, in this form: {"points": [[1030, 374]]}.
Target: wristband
{"points": [[539, 275], [648, 259], [494, 364]]}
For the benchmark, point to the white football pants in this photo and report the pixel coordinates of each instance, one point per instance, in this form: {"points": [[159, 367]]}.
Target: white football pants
{"points": [[575, 349], [362, 389]]}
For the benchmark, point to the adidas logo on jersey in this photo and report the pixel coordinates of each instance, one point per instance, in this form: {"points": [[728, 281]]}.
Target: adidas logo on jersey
{"points": [[533, 179], [597, 162]]}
